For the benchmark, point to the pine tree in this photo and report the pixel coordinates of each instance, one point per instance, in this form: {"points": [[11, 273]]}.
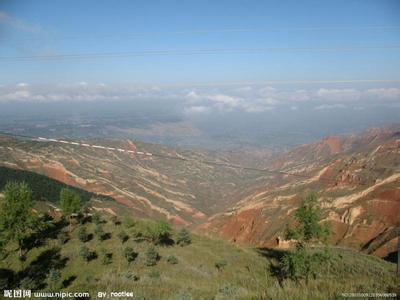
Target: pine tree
{"points": [[17, 219], [70, 203], [183, 237], [302, 262], [129, 254], [151, 256]]}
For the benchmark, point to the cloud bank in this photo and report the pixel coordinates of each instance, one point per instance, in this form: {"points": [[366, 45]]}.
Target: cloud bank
{"points": [[250, 99]]}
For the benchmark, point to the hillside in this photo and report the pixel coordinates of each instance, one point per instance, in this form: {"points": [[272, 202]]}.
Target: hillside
{"points": [[204, 269], [358, 182], [185, 192], [357, 178]]}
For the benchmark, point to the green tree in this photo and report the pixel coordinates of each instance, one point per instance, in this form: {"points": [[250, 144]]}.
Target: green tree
{"points": [[106, 257], [160, 232], [96, 219], [62, 237], [99, 232], [17, 218], [52, 279], [129, 254], [151, 256], [122, 235], [183, 237], [302, 261], [82, 234], [85, 253], [70, 203]]}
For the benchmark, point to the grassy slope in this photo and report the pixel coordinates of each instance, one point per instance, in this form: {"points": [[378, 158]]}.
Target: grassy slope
{"points": [[247, 274], [43, 187]]}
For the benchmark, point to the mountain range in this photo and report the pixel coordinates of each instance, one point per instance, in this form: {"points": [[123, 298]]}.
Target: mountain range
{"points": [[357, 179]]}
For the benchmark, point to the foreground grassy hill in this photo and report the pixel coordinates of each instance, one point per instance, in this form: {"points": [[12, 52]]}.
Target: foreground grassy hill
{"points": [[204, 269]]}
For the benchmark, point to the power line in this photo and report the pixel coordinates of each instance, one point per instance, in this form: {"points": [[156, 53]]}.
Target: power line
{"points": [[159, 155], [192, 52], [211, 31]]}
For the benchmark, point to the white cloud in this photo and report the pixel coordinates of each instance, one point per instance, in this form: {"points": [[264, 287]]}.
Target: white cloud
{"points": [[329, 106], [201, 100], [197, 109], [18, 23]]}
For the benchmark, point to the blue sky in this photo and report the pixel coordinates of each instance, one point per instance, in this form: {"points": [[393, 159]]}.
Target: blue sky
{"points": [[29, 28]]}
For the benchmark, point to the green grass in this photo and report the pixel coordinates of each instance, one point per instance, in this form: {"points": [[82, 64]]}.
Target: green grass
{"points": [[248, 273]]}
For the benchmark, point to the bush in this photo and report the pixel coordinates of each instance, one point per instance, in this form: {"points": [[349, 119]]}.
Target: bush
{"points": [[129, 254], [154, 274], [96, 219], [151, 256], [106, 257], [115, 220], [82, 234], [183, 237], [123, 237], [130, 275], [128, 222], [99, 232], [86, 254], [172, 260], [53, 278], [160, 232], [220, 265], [62, 237]]}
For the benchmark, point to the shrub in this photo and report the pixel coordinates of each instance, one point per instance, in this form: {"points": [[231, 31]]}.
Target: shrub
{"points": [[99, 232], [154, 274], [115, 220], [82, 234], [86, 254], [220, 265], [96, 219], [130, 275], [53, 278], [106, 257], [128, 222], [160, 232], [129, 254], [172, 260], [183, 237], [151, 256], [62, 237], [122, 236]]}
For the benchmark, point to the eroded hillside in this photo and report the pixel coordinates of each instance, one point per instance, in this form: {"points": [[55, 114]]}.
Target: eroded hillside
{"points": [[358, 181]]}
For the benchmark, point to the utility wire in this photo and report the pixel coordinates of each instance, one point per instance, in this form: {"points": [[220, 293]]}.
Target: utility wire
{"points": [[191, 52], [210, 31], [159, 155]]}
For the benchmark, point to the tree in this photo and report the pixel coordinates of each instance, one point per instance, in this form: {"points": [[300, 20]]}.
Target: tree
{"points": [[62, 237], [53, 278], [70, 203], [17, 218], [82, 234], [99, 232], [172, 260], [151, 256], [129, 254], [106, 257], [183, 237], [160, 232], [302, 262], [96, 218], [86, 254], [122, 236]]}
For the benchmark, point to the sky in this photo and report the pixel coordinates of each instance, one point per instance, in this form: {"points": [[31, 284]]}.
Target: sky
{"points": [[204, 57]]}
